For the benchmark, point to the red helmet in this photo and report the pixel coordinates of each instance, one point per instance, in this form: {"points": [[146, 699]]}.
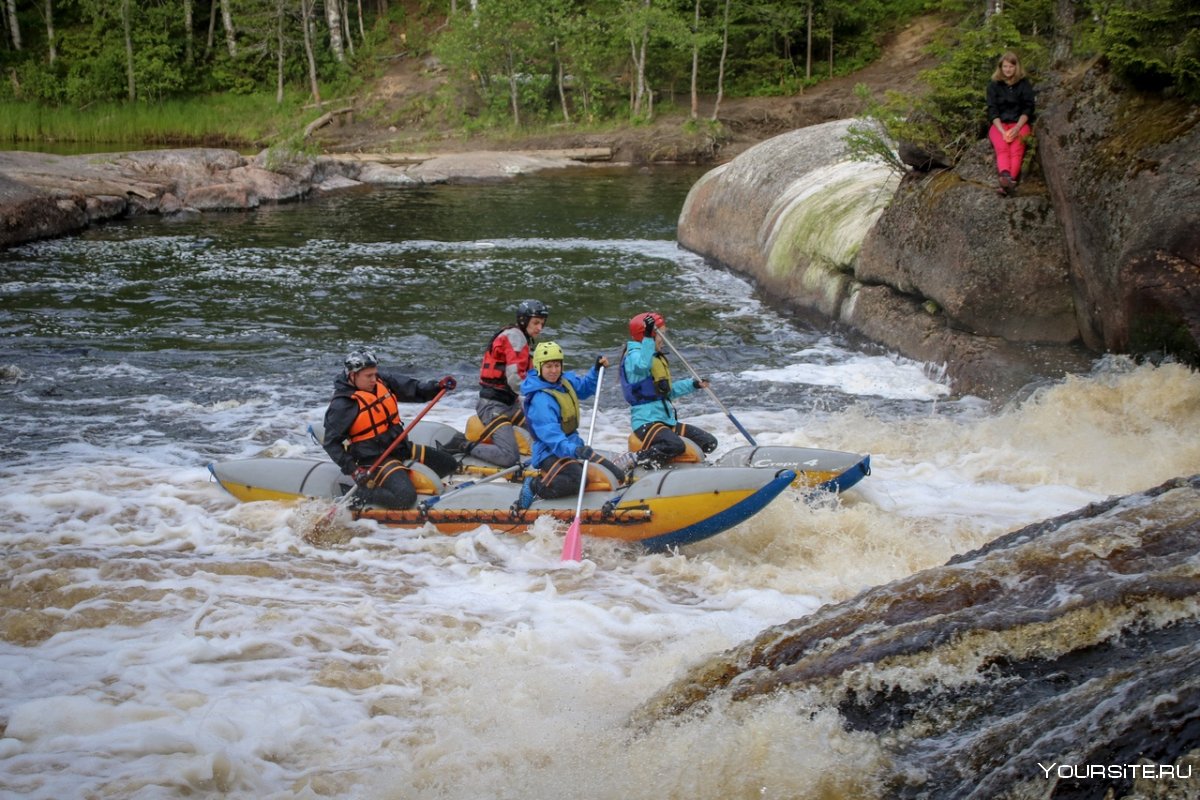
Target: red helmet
{"points": [[637, 325]]}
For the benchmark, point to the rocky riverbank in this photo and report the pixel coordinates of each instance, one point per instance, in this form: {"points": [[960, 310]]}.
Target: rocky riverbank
{"points": [[43, 195], [1099, 250]]}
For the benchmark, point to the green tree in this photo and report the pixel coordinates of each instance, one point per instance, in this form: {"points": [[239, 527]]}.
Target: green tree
{"points": [[503, 48], [1155, 44], [590, 50]]}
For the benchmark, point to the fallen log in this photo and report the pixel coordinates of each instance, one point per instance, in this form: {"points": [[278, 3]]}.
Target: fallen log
{"points": [[324, 120]]}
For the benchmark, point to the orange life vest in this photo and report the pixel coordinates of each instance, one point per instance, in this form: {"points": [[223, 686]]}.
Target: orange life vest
{"points": [[377, 413]]}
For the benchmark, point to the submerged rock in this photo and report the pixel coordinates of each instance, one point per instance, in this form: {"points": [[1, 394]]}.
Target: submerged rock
{"points": [[1016, 670]]}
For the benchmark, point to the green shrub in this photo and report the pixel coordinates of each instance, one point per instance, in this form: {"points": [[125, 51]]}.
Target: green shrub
{"points": [[1155, 44]]}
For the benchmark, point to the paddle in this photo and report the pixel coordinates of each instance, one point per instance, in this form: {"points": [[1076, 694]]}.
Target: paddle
{"points": [[708, 389], [573, 544], [437, 498], [344, 500]]}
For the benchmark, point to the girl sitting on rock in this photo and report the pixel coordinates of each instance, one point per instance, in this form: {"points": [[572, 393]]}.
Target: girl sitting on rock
{"points": [[1010, 108]]}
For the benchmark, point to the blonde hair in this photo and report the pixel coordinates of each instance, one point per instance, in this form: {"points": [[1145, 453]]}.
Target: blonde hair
{"points": [[1011, 58]]}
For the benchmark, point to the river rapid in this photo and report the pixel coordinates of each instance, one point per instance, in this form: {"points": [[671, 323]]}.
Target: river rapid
{"points": [[159, 640]]}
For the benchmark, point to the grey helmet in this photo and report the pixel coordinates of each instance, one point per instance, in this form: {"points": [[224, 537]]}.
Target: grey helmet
{"points": [[360, 359], [528, 309]]}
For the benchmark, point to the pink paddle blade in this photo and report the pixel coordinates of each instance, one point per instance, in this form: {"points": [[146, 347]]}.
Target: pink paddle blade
{"points": [[573, 544]]}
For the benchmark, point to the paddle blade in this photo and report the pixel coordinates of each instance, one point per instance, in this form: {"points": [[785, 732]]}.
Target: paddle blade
{"points": [[573, 544]]}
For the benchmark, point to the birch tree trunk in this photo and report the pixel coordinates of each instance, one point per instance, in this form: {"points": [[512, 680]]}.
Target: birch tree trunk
{"points": [[1064, 24], [125, 23], [638, 85], [562, 89], [513, 92], [212, 27], [362, 31], [50, 31], [13, 26], [333, 15], [346, 34], [188, 21], [279, 12], [639, 61], [721, 68], [230, 33], [306, 9], [696, 62], [808, 45]]}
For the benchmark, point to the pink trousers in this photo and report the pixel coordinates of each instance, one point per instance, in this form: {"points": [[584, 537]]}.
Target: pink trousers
{"points": [[1009, 154]]}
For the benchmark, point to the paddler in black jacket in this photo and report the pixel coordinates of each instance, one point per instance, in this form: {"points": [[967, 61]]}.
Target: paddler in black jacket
{"points": [[363, 418]]}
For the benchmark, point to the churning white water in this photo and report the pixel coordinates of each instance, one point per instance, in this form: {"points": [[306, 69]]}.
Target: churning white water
{"points": [[158, 639]]}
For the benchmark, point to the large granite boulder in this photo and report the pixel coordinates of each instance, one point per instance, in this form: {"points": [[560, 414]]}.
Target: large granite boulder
{"points": [[792, 213], [949, 272], [995, 266], [1098, 250], [1124, 173]]}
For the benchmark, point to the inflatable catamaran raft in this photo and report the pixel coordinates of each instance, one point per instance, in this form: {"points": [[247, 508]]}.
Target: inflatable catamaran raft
{"points": [[685, 503]]}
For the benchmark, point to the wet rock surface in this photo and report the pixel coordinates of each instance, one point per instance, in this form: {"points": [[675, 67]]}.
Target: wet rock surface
{"points": [[1069, 642]]}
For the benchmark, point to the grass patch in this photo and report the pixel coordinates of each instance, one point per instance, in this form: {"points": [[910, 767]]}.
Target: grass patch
{"points": [[225, 120]]}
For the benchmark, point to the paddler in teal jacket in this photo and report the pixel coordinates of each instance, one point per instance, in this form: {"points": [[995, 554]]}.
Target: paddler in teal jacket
{"points": [[551, 399], [648, 388]]}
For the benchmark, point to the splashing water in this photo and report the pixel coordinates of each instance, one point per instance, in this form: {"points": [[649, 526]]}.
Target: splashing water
{"points": [[159, 639]]}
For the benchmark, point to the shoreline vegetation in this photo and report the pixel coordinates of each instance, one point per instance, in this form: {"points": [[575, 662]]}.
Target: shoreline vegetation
{"points": [[243, 123], [259, 73], [513, 74]]}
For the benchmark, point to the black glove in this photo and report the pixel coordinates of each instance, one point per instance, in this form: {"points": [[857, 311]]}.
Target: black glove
{"points": [[584, 452], [361, 475], [448, 383], [648, 321], [601, 361], [700, 382]]}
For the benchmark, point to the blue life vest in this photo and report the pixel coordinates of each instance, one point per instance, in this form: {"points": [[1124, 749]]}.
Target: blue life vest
{"points": [[653, 387]]}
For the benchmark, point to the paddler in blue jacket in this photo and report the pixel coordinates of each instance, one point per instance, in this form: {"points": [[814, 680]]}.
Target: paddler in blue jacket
{"points": [[648, 388], [551, 399]]}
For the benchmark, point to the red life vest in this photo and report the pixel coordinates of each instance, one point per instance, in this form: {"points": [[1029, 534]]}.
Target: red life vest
{"points": [[495, 360], [377, 413]]}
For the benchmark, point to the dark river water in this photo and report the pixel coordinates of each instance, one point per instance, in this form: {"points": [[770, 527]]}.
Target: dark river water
{"points": [[158, 639]]}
